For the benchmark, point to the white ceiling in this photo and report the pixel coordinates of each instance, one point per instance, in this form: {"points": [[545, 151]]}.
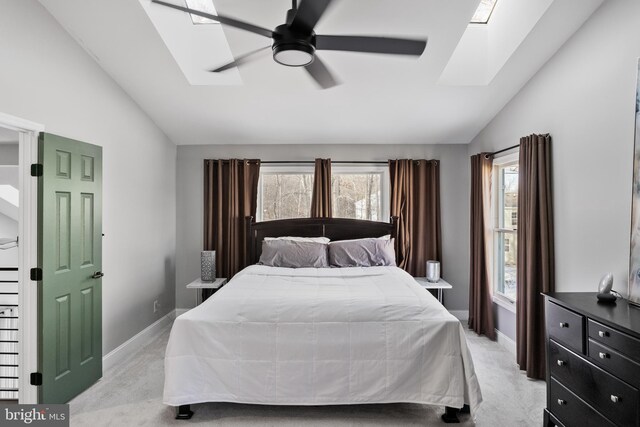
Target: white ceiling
{"points": [[8, 136], [383, 99]]}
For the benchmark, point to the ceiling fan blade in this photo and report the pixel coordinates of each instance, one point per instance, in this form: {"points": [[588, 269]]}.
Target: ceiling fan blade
{"points": [[308, 15], [221, 19], [241, 59], [371, 44], [321, 74]]}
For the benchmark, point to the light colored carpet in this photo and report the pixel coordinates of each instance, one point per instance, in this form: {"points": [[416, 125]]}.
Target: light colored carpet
{"points": [[131, 395]]}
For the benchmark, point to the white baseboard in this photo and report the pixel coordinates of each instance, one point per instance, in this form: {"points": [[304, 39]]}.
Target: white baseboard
{"points": [[136, 342], [506, 342], [462, 315]]}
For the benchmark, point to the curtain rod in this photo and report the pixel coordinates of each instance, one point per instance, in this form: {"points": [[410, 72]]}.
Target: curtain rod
{"points": [[311, 162], [504, 149]]}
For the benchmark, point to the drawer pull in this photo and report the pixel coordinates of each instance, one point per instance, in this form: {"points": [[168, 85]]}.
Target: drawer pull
{"points": [[564, 325], [561, 362], [603, 334], [615, 399], [603, 355], [562, 402]]}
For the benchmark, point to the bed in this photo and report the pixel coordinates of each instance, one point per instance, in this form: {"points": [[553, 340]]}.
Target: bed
{"points": [[319, 336]]}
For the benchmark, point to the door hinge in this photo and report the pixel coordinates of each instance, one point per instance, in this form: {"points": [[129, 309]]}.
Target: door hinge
{"points": [[36, 378], [36, 274], [36, 169]]}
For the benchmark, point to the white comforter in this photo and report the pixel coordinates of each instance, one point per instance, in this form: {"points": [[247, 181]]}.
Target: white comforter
{"points": [[320, 337]]}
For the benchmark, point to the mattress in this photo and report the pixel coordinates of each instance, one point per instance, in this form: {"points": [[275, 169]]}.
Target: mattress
{"points": [[323, 336]]}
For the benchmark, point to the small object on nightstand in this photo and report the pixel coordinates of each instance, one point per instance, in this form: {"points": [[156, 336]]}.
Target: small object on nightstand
{"points": [[439, 285], [201, 285], [433, 271], [604, 289], [208, 266]]}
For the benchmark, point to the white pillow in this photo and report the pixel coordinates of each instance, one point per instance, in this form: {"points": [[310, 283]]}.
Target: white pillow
{"points": [[365, 239], [300, 239]]}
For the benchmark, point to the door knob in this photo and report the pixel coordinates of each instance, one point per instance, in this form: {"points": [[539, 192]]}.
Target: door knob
{"points": [[97, 275]]}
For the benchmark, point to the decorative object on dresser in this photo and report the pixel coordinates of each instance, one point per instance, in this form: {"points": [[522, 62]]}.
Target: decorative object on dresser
{"points": [[604, 289], [593, 361], [433, 271], [208, 266]]}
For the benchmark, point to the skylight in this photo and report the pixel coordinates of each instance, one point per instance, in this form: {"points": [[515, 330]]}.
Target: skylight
{"points": [[483, 12], [202, 6], [10, 194]]}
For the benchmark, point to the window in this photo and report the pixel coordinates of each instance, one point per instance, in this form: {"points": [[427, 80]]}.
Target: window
{"points": [[483, 12], [284, 192], [202, 6], [360, 192], [505, 195]]}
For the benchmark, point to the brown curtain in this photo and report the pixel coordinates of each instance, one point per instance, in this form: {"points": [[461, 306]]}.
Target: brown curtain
{"points": [[415, 200], [321, 196], [480, 302], [536, 269], [230, 194]]}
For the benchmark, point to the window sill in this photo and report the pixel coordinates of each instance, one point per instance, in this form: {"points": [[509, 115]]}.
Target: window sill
{"points": [[505, 303]]}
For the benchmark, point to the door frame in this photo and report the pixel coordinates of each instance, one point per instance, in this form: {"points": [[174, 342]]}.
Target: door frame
{"points": [[27, 254]]}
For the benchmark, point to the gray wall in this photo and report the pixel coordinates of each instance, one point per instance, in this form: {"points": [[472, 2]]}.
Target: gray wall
{"points": [[46, 77], [454, 178], [584, 96], [8, 154], [8, 225], [8, 228]]}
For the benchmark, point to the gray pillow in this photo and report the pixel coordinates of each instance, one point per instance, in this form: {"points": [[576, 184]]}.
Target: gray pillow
{"points": [[292, 254], [362, 253]]}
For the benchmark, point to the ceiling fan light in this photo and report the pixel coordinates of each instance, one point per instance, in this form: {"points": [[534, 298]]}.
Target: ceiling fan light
{"points": [[293, 55]]}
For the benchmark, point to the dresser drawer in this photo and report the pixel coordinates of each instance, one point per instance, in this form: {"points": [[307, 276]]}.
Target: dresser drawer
{"points": [[550, 420], [612, 397], [619, 341], [614, 362], [565, 326], [571, 411]]}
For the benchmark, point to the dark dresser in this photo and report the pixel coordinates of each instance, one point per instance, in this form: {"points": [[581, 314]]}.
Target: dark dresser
{"points": [[593, 361]]}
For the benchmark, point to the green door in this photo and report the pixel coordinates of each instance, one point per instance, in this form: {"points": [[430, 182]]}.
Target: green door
{"points": [[70, 255]]}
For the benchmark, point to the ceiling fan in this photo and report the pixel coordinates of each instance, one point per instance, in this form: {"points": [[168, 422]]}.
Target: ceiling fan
{"points": [[295, 43]]}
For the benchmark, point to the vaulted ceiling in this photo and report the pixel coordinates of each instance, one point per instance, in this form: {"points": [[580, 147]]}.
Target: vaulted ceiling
{"points": [[382, 99]]}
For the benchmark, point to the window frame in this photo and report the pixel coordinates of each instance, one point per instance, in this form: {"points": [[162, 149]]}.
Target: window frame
{"points": [[339, 169], [365, 169], [497, 231], [275, 169]]}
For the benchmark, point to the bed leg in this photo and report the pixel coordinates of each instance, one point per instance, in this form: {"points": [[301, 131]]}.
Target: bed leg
{"points": [[465, 409], [184, 412], [450, 415]]}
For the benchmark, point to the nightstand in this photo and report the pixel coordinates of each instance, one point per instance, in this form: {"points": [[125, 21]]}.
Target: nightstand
{"points": [[200, 286], [439, 285]]}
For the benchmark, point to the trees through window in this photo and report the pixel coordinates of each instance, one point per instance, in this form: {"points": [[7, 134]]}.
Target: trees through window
{"points": [[359, 192], [505, 194]]}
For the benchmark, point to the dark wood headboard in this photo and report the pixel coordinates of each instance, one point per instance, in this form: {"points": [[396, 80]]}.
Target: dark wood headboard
{"points": [[333, 228]]}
